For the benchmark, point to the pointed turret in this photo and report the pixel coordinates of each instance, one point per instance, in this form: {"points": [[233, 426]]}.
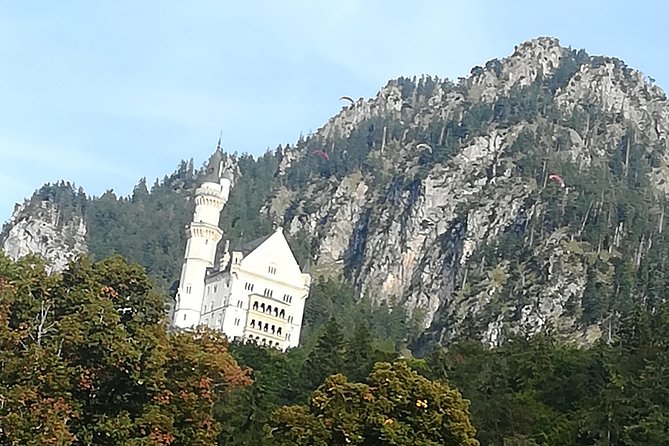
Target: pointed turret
{"points": [[203, 237]]}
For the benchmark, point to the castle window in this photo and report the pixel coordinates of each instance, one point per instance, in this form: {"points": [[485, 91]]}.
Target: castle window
{"points": [[268, 292], [240, 303], [215, 288], [262, 308], [282, 314], [255, 305], [211, 307], [278, 331], [188, 289], [205, 309], [290, 319], [266, 327], [271, 269], [237, 321], [253, 323], [184, 317], [276, 312], [273, 329], [248, 286], [288, 337]]}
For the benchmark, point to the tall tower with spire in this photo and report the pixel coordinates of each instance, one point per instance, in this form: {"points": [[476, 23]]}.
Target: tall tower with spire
{"points": [[203, 237]]}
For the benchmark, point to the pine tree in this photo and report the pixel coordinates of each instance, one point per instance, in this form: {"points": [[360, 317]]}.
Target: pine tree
{"points": [[359, 353], [327, 357]]}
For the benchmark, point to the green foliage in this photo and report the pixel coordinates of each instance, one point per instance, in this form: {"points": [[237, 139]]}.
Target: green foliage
{"points": [[541, 391], [396, 406], [241, 221], [148, 227], [86, 359], [327, 357]]}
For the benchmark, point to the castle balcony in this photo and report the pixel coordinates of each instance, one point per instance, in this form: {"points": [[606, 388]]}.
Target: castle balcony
{"points": [[205, 230], [255, 332], [268, 308], [272, 317]]}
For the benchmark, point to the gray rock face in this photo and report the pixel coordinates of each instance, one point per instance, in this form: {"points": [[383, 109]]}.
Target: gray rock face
{"points": [[418, 239], [38, 228]]}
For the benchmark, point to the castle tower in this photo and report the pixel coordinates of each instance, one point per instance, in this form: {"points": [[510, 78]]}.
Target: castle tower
{"points": [[203, 237]]}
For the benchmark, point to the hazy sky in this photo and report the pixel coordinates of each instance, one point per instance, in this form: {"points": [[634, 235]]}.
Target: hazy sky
{"points": [[102, 93]]}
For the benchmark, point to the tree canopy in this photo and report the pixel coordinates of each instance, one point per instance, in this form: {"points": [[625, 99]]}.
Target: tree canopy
{"points": [[396, 406], [85, 358]]}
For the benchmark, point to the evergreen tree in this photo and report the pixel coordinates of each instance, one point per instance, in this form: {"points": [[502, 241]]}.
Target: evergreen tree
{"points": [[359, 353], [327, 357]]}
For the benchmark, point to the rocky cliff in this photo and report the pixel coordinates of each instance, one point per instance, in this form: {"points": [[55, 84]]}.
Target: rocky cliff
{"points": [[528, 196], [39, 227], [452, 172]]}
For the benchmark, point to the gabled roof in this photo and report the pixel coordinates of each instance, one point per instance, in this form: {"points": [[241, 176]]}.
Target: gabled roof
{"points": [[251, 246]]}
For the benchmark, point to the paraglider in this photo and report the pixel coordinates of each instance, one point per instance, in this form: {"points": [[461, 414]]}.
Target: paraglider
{"points": [[322, 154], [347, 98], [423, 145], [557, 179]]}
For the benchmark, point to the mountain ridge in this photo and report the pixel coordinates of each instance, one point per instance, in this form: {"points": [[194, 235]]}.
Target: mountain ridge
{"points": [[435, 197]]}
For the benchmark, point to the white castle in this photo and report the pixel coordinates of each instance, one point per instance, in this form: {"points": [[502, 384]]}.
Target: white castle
{"points": [[254, 294]]}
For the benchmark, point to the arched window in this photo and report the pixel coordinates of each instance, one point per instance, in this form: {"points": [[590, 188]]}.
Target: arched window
{"points": [[273, 329], [278, 331], [262, 307], [276, 312], [255, 305], [282, 314], [269, 309], [253, 323], [266, 327]]}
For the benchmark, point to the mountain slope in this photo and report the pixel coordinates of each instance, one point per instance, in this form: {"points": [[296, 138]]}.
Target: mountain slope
{"points": [[436, 197], [468, 234]]}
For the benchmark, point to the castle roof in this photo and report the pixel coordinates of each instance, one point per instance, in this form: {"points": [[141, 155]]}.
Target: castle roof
{"points": [[252, 245], [212, 171]]}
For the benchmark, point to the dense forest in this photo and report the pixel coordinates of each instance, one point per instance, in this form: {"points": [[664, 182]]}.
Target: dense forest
{"points": [[550, 330], [86, 359]]}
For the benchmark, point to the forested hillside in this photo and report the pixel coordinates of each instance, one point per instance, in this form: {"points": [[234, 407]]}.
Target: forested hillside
{"points": [[86, 359], [526, 198]]}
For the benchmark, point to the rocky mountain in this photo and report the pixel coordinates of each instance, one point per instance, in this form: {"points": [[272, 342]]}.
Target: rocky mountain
{"points": [[45, 226], [528, 196]]}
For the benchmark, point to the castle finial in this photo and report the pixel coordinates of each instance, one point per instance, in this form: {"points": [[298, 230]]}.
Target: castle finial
{"points": [[218, 144]]}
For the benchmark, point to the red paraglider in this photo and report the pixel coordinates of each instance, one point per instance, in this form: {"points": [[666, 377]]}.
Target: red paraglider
{"points": [[557, 178], [322, 154]]}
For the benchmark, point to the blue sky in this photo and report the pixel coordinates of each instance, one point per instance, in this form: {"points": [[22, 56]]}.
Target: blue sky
{"points": [[102, 93]]}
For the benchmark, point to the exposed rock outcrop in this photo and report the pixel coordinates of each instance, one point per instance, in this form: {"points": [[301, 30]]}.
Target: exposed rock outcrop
{"points": [[421, 230], [38, 227]]}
